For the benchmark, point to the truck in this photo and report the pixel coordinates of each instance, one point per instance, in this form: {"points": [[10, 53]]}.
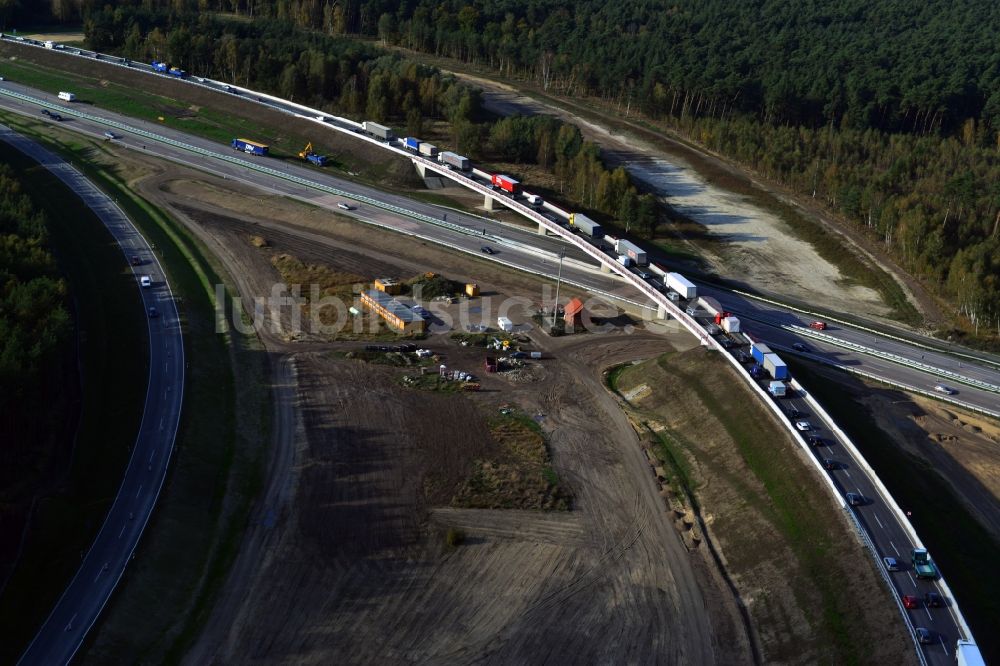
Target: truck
{"points": [[158, 66], [775, 366], [506, 183], [455, 161], [378, 131], [249, 147], [586, 225], [923, 567], [67, 96], [731, 324], [624, 260], [410, 143], [428, 150], [777, 389], [967, 654], [49, 44], [758, 350], [534, 199], [178, 72], [681, 285], [632, 251]]}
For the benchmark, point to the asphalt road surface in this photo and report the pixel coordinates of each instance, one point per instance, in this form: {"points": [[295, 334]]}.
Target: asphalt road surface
{"points": [[871, 352], [81, 603]]}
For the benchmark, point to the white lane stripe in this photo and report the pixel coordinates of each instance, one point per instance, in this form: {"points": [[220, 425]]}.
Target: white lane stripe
{"points": [[894, 548], [875, 516]]}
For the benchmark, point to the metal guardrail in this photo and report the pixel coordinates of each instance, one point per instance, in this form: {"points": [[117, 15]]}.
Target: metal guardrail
{"points": [[655, 296]]}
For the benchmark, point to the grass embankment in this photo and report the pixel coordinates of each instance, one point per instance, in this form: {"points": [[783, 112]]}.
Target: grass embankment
{"points": [[201, 112], [112, 347], [965, 551], [812, 592], [195, 531]]}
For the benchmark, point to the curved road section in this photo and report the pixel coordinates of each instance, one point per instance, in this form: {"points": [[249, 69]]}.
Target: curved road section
{"points": [[85, 597]]}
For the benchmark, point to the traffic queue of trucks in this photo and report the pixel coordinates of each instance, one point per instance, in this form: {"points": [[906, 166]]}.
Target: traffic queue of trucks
{"points": [[165, 68]]}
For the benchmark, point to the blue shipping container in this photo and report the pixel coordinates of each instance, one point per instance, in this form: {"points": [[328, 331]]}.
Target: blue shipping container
{"points": [[411, 143], [251, 147], [757, 350], [159, 66]]}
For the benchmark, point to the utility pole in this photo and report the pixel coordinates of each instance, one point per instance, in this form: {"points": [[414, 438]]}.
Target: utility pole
{"points": [[555, 306]]}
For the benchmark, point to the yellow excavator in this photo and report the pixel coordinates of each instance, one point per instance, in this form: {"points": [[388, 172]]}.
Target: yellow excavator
{"points": [[308, 154]]}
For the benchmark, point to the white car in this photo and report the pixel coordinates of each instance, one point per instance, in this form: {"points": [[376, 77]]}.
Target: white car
{"points": [[803, 425], [110, 135], [344, 206], [146, 281], [941, 388]]}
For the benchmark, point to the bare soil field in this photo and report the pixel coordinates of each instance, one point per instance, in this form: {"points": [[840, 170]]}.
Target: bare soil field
{"points": [[794, 579], [347, 560]]}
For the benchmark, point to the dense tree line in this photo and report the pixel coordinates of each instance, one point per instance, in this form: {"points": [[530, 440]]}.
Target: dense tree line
{"points": [[35, 330], [892, 65], [931, 202], [273, 55], [582, 176]]}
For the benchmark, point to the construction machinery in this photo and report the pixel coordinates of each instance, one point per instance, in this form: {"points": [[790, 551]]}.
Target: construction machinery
{"points": [[308, 154]]}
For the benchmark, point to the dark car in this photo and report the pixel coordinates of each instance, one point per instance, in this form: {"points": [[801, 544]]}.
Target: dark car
{"points": [[798, 346], [933, 600], [487, 249], [153, 313], [854, 499], [793, 413], [924, 635], [815, 441], [910, 601], [829, 464], [135, 261]]}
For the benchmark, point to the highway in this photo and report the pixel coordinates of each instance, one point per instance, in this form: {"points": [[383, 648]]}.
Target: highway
{"points": [[879, 355], [104, 564]]}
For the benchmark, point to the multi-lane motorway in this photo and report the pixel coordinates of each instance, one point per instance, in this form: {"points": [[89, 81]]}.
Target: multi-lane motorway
{"points": [[104, 564], [876, 354]]}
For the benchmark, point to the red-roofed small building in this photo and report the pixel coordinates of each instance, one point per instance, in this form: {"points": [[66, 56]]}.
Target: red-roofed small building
{"points": [[573, 314]]}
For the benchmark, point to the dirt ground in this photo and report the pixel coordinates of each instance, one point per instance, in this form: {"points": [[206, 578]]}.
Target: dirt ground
{"points": [[961, 446], [788, 596], [346, 561]]}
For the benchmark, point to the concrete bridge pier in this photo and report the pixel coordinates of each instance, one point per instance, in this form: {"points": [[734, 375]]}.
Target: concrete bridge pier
{"points": [[605, 268], [488, 202], [421, 169]]}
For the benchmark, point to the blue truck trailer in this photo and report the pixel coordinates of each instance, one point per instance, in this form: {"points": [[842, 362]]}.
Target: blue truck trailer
{"points": [[178, 72], [758, 350], [249, 147], [411, 143], [160, 66]]}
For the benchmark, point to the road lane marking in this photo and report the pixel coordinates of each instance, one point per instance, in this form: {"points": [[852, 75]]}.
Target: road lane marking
{"points": [[69, 626], [875, 516], [138, 491], [911, 580], [122, 532], [847, 473], [894, 548], [928, 611]]}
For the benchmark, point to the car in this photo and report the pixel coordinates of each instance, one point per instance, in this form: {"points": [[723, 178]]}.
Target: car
{"points": [[891, 564], [227, 88], [110, 135], [793, 413], [829, 464], [487, 249], [947, 390], [2, 79], [910, 601], [519, 354], [815, 441], [56, 116], [818, 325], [644, 275], [924, 636], [153, 314], [343, 206], [742, 356], [803, 426], [46, 112], [673, 296], [854, 499], [146, 281], [135, 261], [798, 346], [933, 600]]}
